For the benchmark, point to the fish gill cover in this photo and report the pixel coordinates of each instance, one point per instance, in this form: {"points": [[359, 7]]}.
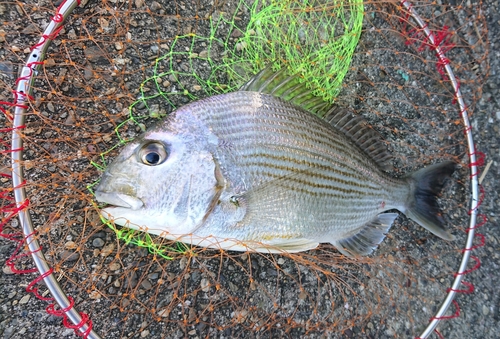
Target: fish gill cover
{"points": [[117, 67]]}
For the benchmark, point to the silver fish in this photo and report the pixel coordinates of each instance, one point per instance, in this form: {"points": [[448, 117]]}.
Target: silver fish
{"points": [[255, 170]]}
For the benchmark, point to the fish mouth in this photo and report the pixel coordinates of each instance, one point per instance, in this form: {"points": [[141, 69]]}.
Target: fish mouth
{"points": [[119, 200]]}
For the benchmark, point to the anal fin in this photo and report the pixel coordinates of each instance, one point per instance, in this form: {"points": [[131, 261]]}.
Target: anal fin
{"points": [[293, 245], [368, 238]]}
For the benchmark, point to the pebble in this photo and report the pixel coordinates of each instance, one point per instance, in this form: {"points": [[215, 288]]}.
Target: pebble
{"points": [[104, 23], [8, 332], [94, 295], [114, 266], [70, 245], [69, 256], [163, 313], [205, 285], [153, 276], [146, 285], [144, 333], [7, 270], [486, 310], [72, 34], [25, 299], [98, 242], [94, 54], [6, 68], [154, 6], [107, 250]]}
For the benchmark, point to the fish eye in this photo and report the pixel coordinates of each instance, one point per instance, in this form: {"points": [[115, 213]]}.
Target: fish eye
{"points": [[153, 154]]}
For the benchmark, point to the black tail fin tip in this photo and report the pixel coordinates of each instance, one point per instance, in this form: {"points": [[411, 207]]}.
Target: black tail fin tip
{"points": [[423, 206]]}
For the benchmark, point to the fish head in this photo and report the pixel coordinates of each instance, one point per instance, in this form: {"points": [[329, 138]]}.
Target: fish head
{"points": [[163, 182]]}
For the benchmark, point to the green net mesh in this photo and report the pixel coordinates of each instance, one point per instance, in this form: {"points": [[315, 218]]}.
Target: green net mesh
{"points": [[315, 39]]}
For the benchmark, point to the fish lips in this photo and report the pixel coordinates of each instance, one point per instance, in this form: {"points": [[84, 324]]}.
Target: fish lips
{"points": [[119, 200]]}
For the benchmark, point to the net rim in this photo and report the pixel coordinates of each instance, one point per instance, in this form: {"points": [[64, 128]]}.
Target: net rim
{"points": [[80, 322]]}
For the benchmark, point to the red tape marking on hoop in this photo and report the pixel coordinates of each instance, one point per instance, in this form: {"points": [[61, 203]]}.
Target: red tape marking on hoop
{"points": [[76, 327]]}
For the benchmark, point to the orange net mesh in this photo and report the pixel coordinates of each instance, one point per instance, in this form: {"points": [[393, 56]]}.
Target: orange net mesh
{"points": [[92, 74]]}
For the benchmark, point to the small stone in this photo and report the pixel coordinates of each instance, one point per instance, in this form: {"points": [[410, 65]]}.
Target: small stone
{"points": [[144, 333], [70, 245], [125, 302], [163, 313], [94, 295], [182, 263], [72, 34], [146, 285], [8, 332], [236, 33], [486, 310], [104, 23], [69, 256], [107, 250], [281, 261], [25, 299], [50, 107], [114, 266], [98, 242], [94, 54], [153, 276], [205, 285], [118, 46], [241, 46], [139, 3], [154, 6], [7, 270], [197, 88], [30, 29]]}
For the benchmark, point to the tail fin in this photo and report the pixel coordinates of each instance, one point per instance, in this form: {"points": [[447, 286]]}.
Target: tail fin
{"points": [[423, 206]]}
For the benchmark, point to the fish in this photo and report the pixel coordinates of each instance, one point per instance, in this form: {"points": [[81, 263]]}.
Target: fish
{"points": [[259, 169]]}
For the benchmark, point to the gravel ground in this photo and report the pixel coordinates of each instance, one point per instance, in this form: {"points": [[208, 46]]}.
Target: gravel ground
{"points": [[129, 293]]}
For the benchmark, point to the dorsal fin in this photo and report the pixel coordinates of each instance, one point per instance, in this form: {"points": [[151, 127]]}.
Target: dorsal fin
{"points": [[362, 134], [290, 88]]}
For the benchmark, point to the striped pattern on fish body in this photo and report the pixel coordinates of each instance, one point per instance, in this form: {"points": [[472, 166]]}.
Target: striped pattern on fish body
{"points": [[321, 185]]}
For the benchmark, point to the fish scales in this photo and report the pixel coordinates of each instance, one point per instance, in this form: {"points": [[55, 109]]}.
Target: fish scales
{"points": [[293, 146], [274, 141], [248, 170]]}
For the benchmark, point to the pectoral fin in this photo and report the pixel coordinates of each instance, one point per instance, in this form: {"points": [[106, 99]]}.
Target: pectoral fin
{"points": [[367, 238]]}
